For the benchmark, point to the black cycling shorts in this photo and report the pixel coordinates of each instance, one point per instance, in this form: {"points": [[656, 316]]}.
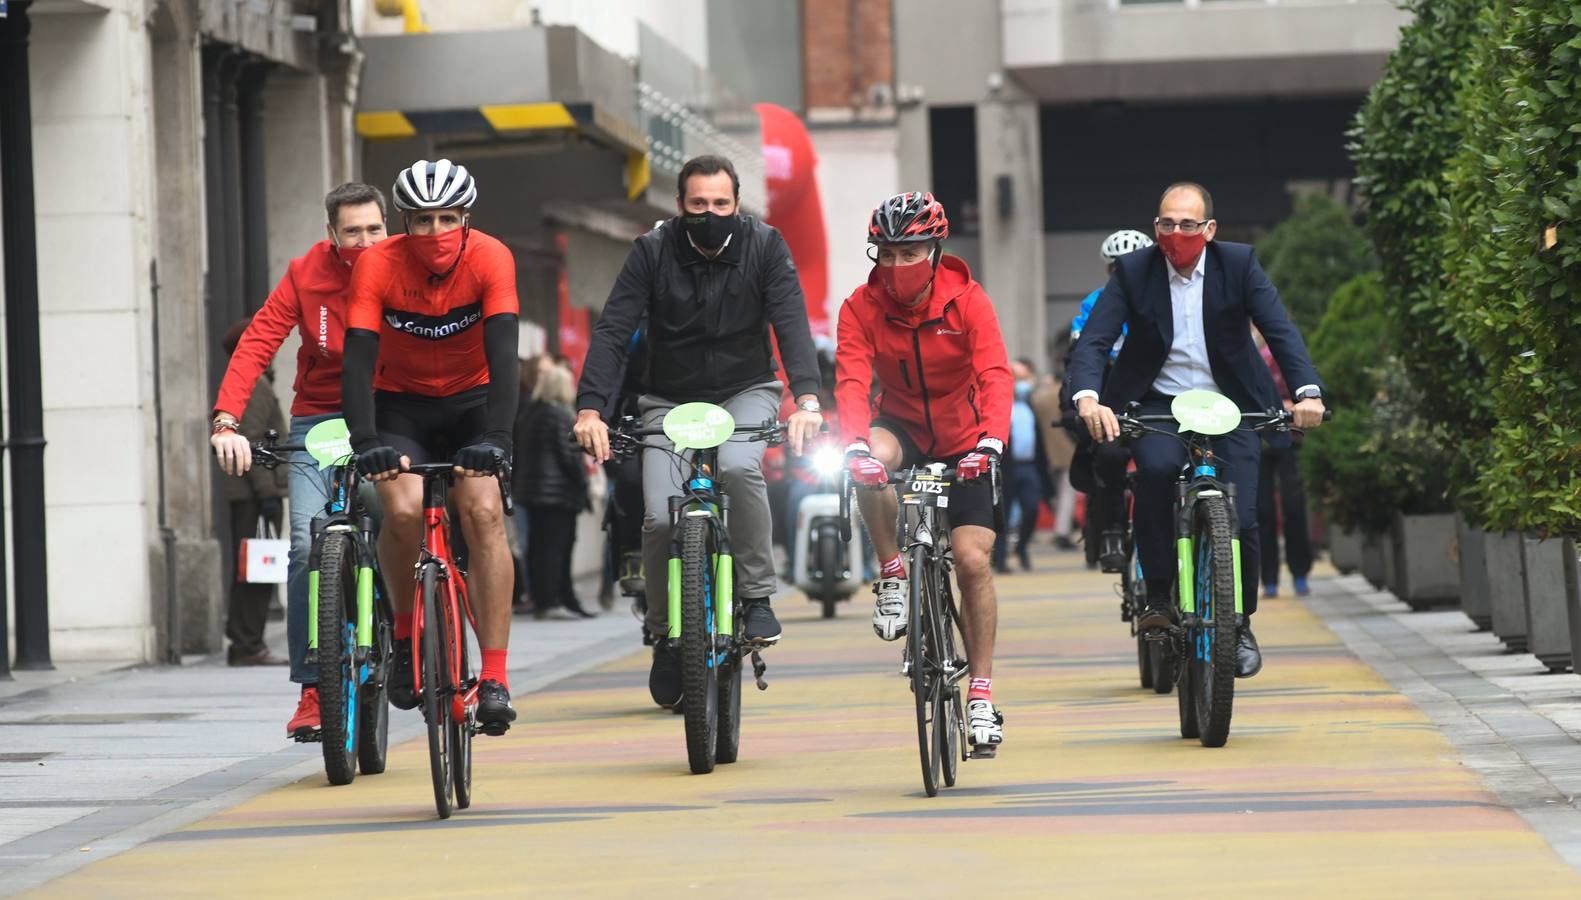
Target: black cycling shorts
{"points": [[431, 429], [971, 502]]}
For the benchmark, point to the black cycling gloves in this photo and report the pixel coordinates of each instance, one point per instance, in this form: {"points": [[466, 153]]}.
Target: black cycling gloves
{"points": [[480, 458], [378, 460]]}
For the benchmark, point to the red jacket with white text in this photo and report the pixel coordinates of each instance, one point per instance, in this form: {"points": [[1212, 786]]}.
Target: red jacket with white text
{"points": [[311, 297], [943, 373]]}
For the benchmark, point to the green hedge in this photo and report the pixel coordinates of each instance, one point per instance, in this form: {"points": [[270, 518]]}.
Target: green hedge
{"points": [[1514, 202], [1311, 254]]}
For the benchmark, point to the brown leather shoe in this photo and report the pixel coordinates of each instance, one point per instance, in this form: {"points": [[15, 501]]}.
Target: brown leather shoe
{"points": [[261, 658]]}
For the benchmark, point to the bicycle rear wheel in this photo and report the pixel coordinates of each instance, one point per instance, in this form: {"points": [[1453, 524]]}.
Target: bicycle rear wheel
{"points": [[1213, 658], [337, 669], [373, 747], [924, 681], [436, 696], [462, 729], [699, 671]]}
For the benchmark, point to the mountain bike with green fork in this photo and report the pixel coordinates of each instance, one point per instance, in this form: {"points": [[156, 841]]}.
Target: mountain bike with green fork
{"points": [[441, 662], [933, 659], [704, 611], [1208, 557], [349, 618]]}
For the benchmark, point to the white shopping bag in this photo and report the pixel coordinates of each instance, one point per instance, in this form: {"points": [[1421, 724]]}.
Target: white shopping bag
{"points": [[263, 560]]}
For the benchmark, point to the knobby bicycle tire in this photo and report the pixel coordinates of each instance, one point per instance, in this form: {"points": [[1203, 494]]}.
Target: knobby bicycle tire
{"points": [[373, 746], [829, 552], [728, 746], [436, 701], [1214, 678], [699, 678], [337, 671], [923, 680]]}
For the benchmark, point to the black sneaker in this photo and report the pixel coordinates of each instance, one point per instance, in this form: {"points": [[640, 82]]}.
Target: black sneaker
{"points": [[494, 707], [761, 626], [1111, 550], [1157, 615], [664, 679], [403, 693]]}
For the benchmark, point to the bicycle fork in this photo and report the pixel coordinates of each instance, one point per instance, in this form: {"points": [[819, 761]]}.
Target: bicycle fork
{"points": [[365, 589]]}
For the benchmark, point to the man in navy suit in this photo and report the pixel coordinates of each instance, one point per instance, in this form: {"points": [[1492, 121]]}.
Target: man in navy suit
{"points": [[1189, 303]]}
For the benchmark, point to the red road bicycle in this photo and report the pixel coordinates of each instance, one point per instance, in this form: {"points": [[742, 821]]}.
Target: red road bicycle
{"points": [[442, 668]]}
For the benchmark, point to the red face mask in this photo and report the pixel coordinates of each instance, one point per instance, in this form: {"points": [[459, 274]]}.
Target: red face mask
{"points": [[348, 255], [438, 253], [1182, 250], [904, 283]]}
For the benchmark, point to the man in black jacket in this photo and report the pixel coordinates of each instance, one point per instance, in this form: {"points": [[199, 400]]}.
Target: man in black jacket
{"points": [[712, 282], [1189, 304]]}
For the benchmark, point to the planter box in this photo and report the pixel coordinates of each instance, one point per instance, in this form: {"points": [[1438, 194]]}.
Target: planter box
{"points": [[1425, 573], [1377, 560], [1470, 547], [1572, 573], [1506, 596], [1344, 550], [1547, 622]]}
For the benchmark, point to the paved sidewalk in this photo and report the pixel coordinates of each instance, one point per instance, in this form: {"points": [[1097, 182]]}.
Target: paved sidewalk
{"points": [[97, 759], [1364, 761]]}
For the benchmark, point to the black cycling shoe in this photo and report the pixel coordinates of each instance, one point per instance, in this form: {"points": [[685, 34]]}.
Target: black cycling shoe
{"points": [[1111, 552], [1157, 615], [1248, 656], [664, 679], [403, 694], [761, 627], [494, 707]]}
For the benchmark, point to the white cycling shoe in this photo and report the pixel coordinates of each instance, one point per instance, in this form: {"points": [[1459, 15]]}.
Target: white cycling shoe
{"points": [[890, 608], [985, 726]]}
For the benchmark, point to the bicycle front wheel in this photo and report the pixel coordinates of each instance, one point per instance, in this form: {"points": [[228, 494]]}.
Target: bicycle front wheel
{"points": [[337, 642], [923, 651], [1213, 656], [948, 722], [436, 694], [699, 658]]}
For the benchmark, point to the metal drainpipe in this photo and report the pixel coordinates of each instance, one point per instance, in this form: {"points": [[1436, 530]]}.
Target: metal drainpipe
{"points": [[254, 209], [23, 363], [171, 652]]}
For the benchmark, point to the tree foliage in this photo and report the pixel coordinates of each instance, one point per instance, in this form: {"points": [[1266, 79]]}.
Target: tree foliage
{"points": [[1309, 255]]}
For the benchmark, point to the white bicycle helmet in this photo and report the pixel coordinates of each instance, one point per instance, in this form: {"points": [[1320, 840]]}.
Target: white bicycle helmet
{"points": [[1122, 242], [434, 185]]}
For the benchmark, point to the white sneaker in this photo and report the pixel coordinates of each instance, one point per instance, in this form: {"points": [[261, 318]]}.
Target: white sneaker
{"points": [[984, 724], [889, 609]]}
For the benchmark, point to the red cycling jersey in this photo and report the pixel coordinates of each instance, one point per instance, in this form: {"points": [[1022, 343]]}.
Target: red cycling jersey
{"points": [[311, 298], [943, 374], [430, 334]]}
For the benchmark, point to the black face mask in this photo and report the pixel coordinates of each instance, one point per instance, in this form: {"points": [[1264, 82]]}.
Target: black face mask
{"points": [[709, 230]]}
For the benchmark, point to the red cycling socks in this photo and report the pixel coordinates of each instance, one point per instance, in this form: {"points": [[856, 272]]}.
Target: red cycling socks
{"points": [[403, 626], [892, 569], [981, 689], [494, 667]]}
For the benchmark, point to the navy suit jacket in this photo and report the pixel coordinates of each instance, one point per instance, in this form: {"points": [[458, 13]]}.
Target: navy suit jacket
{"points": [[1235, 294]]}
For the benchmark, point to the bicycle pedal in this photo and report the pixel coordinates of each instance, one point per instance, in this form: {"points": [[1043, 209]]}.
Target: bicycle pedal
{"points": [[983, 751], [493, 729], [758, 668], [305, 736]]}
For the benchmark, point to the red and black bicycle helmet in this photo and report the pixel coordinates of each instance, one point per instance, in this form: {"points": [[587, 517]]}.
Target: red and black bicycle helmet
{"points": [[907, 218]]}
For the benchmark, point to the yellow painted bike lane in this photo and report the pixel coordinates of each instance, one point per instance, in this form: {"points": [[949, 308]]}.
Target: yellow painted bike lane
{"points": [[1332, 784]]}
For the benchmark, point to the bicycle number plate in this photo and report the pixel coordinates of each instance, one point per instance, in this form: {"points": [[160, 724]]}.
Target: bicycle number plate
{"points": [[328, 442], [925, 490], [698, 426], [1205, 412]]}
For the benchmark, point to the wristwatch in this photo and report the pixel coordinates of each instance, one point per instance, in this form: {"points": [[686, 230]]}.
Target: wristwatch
{"points": [[809, 406], [1310, 393]]}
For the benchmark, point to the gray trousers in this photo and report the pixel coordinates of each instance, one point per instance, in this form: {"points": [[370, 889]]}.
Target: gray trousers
{"points": [[741, 469]]}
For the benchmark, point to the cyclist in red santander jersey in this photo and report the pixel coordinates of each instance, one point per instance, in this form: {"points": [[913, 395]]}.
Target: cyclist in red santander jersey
{"points": [[928, 332], [436, 309]]}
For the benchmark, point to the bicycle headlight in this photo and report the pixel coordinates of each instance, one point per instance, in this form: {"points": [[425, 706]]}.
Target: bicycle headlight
{"points": [[827, 461]]}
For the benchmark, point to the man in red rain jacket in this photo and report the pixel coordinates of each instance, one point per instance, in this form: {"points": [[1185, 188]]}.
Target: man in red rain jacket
{"points": [[928, 333]]}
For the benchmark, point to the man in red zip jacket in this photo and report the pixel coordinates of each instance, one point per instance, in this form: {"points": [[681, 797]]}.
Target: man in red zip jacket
{"points": [[312, 299], [928, 332]]}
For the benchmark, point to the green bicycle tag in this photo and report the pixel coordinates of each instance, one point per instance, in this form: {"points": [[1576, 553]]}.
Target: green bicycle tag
{"points": [[328, 442], [1205, 412], [698, 426]]}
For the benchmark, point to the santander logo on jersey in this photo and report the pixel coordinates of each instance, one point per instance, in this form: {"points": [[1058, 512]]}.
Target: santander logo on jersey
{"points": [[435, 328]]}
